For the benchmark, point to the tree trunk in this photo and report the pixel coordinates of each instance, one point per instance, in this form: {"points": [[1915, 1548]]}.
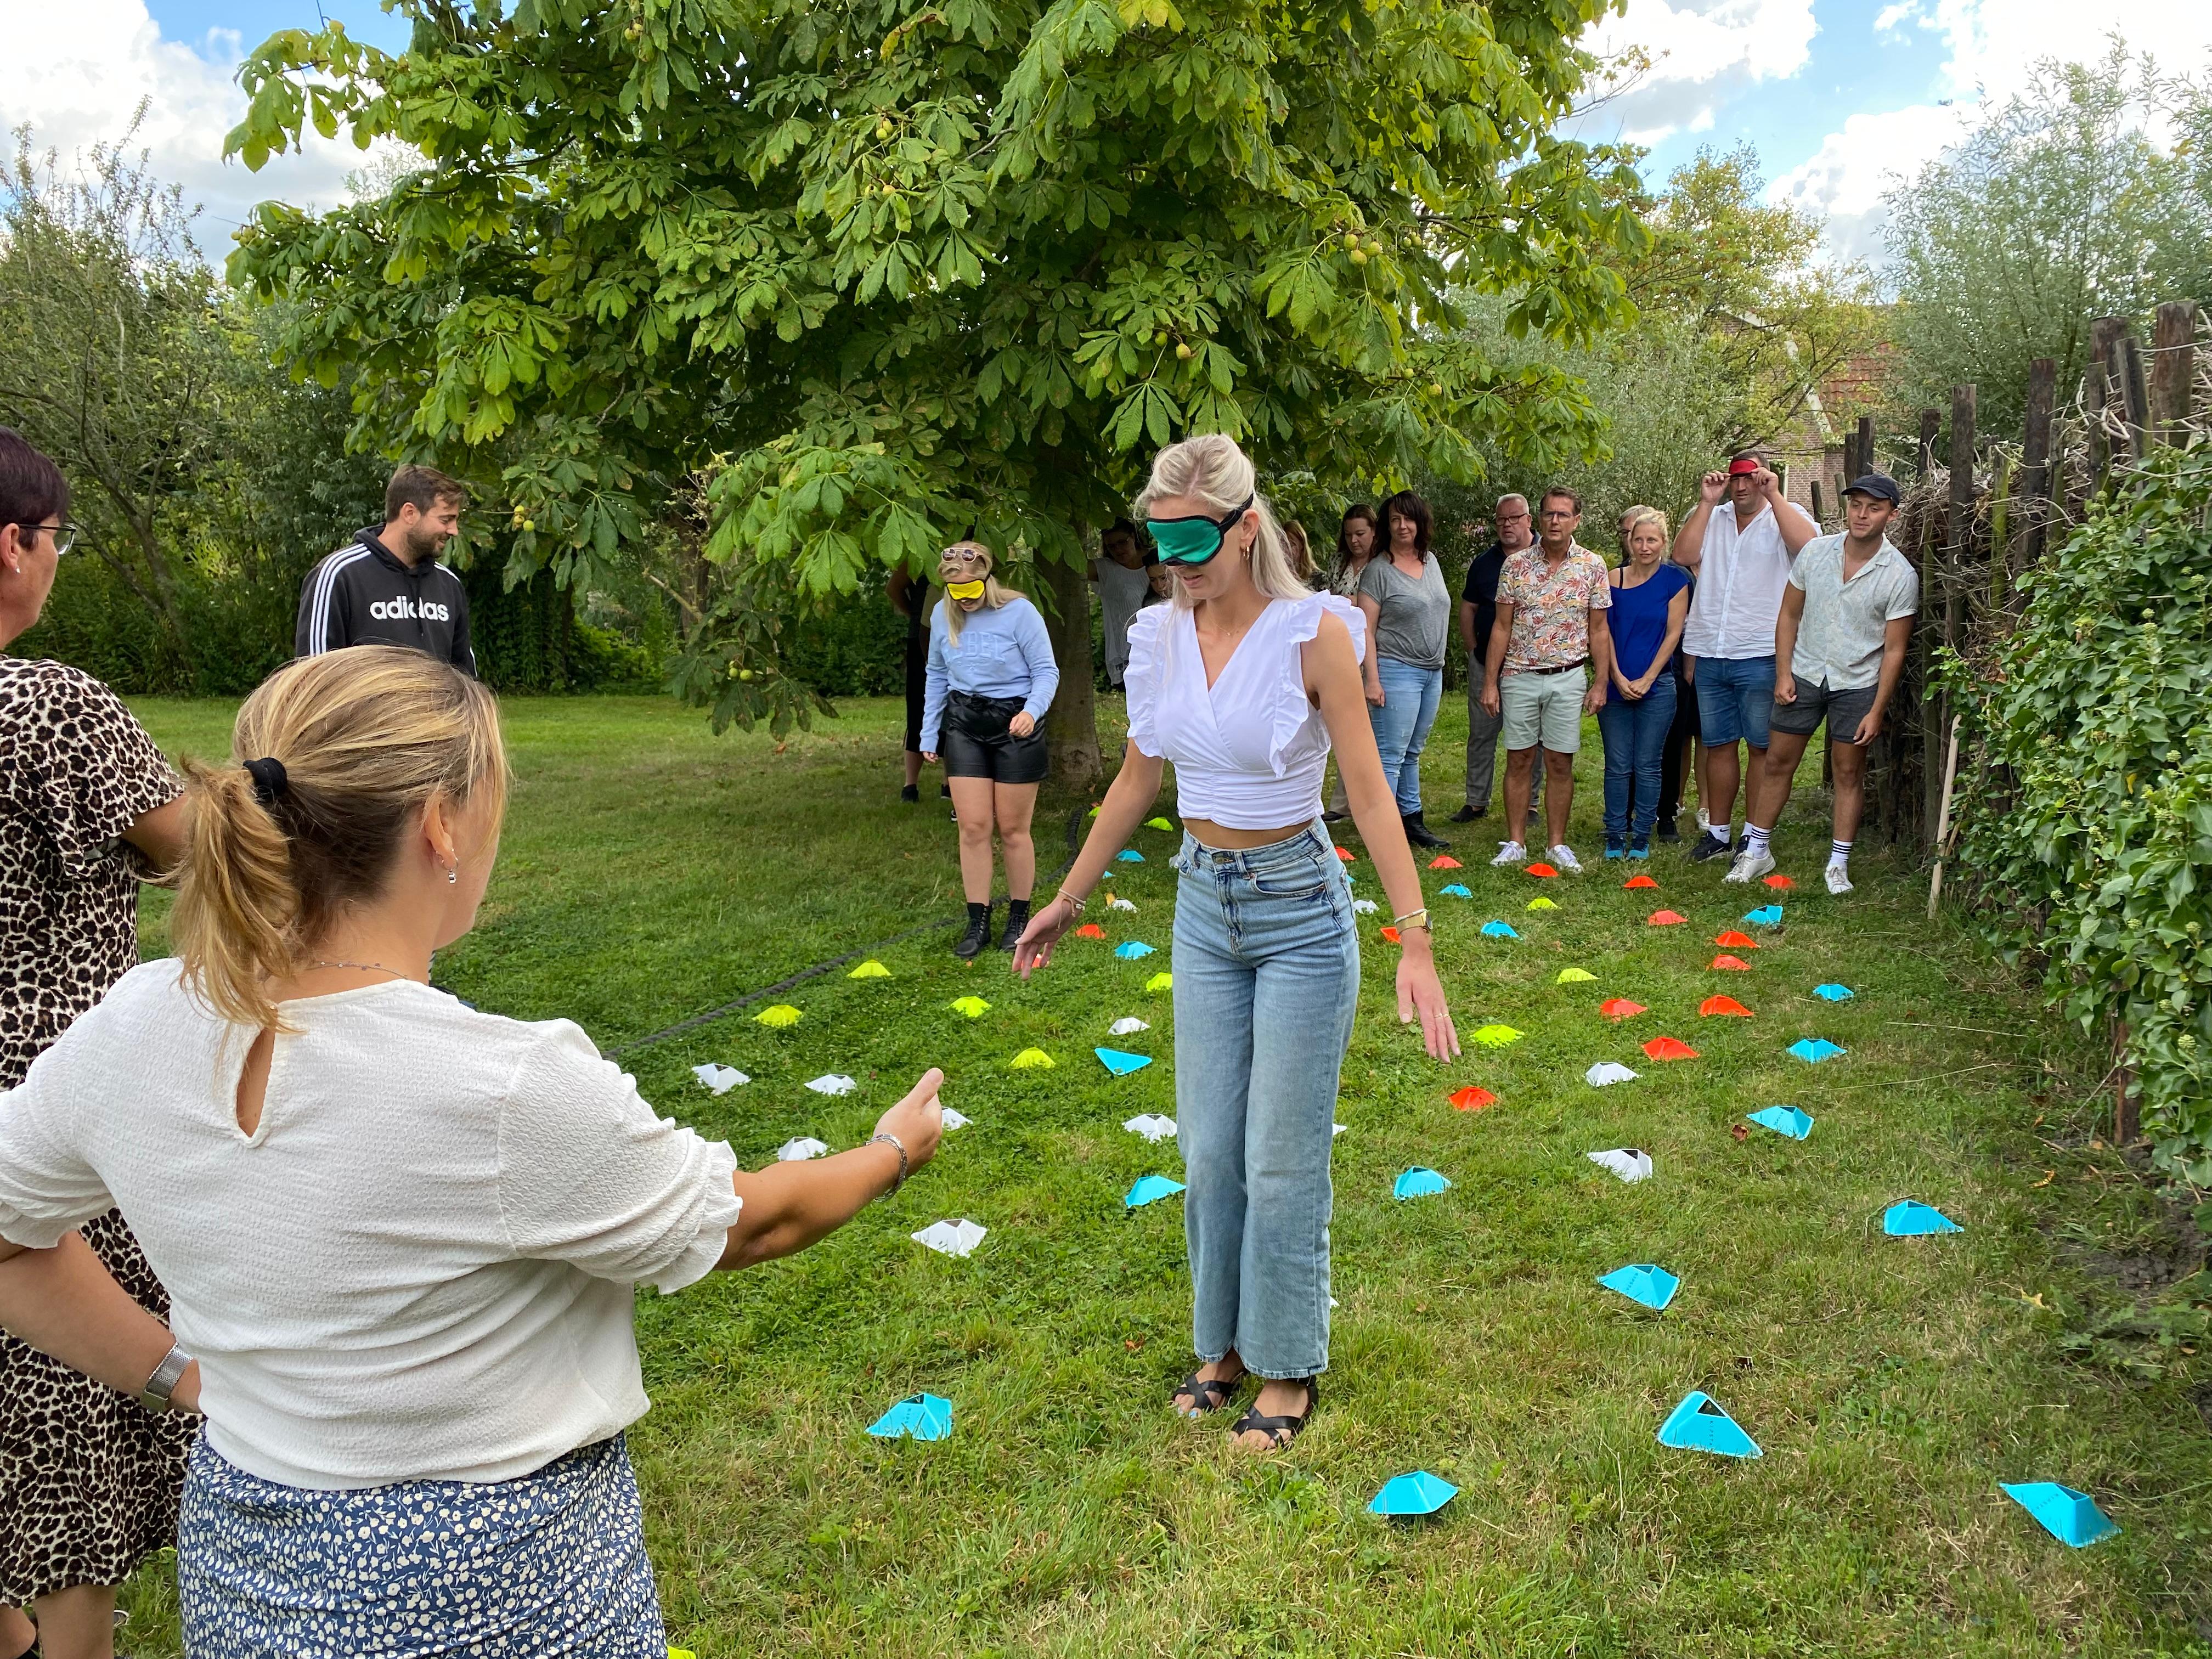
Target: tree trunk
{"points": [[1071, 726]]}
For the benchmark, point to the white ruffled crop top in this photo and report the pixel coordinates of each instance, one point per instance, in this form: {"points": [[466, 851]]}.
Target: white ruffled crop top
{"points": [[1249, 753]]}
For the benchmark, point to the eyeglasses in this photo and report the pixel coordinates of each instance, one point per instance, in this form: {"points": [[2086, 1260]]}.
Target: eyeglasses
{"points": [[962, 555], [1195, 539], [65, 535]]}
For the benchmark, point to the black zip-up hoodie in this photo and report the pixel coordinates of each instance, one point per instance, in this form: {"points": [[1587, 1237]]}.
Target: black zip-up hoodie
{"points": [[362, 594]]}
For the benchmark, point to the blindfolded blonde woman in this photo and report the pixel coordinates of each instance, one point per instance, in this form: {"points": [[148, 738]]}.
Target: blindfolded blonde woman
{"points": [[1243, 682], [991, 678]]}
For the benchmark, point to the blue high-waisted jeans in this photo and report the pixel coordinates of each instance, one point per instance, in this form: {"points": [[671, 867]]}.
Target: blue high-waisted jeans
{"points": [[1266, 975], [1410, 696], [1635, 736]]}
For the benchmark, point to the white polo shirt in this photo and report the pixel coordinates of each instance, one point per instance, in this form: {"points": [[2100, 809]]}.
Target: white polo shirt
{"points": [[1740, 582]]}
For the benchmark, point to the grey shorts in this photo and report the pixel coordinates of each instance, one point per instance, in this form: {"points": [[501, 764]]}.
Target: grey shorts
{"points": [[1843, 710]]}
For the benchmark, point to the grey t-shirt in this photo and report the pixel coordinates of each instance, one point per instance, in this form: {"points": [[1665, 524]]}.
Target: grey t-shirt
{"points": [[1414, 617]]}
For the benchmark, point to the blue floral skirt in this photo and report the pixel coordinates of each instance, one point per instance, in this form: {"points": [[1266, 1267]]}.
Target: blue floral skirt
{"points": [[551, 1564]]}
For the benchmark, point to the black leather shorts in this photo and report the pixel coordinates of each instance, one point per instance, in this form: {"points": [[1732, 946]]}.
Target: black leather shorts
{"points": [[977, 744]]}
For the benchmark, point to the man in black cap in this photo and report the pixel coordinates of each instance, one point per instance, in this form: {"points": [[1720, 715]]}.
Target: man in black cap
{"points": [[1839, 646]]}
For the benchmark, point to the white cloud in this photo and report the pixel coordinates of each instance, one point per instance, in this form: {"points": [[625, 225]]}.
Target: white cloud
{"points": [[80, 69], [1703, 52], [1992, 48]]}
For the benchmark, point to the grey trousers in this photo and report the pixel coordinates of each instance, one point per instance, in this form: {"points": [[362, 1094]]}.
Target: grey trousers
{"points": [[1482, 732]]}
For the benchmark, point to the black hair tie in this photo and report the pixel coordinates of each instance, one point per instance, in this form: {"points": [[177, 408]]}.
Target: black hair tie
{"points": [[270, 783]]}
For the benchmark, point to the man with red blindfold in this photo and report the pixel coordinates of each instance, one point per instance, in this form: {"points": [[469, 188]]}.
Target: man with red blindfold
{"points": [[1741, 553]]}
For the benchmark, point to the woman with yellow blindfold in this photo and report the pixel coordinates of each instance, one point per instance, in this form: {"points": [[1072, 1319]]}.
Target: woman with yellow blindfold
{"points": [[990, 679]]}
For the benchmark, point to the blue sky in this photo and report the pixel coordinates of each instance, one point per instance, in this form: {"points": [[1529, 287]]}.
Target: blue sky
{"points": [[1839, 96]]}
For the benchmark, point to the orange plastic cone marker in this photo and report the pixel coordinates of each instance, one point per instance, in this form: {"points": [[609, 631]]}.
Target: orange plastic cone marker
{"points": [[1732, 940], [1669, 1048], [1347, 855], [1619, 1008], [1472, 1099], [1781, 882], [1732, 964], [1712, 1005], [1091, 930], [1542, 870], [1391, 934], [1445, 861], [1665, 918], [1634, 882]]}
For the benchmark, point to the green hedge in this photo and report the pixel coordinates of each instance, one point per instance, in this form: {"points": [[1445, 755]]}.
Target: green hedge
{"points": [[2089, 842]]}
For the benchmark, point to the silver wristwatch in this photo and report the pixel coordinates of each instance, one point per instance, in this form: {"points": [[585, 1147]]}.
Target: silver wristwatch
{"points": [[154, 1397]]}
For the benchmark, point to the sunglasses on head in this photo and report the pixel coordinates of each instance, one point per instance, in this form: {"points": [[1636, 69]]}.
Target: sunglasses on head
{"points": [[1193, 540]]}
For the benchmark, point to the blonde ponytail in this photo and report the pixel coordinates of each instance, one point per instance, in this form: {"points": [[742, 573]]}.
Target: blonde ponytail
{"points": [[364, 738]]}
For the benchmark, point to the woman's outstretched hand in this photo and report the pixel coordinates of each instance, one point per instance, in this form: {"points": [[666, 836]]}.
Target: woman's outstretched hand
{"points": [[1421, 992], [1034, 949], [918, 1120]]}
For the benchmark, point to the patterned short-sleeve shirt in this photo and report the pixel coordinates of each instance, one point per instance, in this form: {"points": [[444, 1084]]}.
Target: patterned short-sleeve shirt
{"points": [[1551, 609], [75, 771]]}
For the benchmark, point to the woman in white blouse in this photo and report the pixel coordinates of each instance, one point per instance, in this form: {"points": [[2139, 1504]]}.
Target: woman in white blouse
{"points": [[1243, 682], [400, 1235]]}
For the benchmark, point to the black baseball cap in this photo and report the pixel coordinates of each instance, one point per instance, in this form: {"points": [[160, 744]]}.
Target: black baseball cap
{"points": [[1880, 485]]}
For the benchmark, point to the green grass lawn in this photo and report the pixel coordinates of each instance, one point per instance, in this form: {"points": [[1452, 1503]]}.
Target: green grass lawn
{"points": [[652, 871]]}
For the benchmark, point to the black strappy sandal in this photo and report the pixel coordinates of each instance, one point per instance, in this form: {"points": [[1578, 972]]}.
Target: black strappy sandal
{"points": [[1208, 1394], [1280, 1430]]}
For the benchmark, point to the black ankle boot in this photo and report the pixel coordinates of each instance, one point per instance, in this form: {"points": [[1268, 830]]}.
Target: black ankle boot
{"points": [[1017, 921], [1419, 834], [978, 934]]}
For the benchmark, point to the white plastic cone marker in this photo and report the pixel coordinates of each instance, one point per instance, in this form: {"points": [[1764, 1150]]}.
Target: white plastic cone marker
{"points": [[951, 1237], [799, 1150], [720, 1079], [953, 1120], [1334, 1130], [1127, 1023], [1119, 904], [1152, 1126], [1608, 1072], [1364, 907], [1627, 1162], [833, 1083]]}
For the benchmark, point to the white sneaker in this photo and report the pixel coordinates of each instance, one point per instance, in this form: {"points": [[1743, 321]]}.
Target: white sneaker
{"points": [[1510, 851], [1563, 856], [1749, 866], [1839, 878]]}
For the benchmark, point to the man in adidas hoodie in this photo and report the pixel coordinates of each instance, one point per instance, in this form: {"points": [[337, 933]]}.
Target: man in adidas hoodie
{"points": [[386, 586]]}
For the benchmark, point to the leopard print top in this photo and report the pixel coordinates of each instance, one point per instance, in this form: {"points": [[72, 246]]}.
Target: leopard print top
{"points": [[88, 1479]]}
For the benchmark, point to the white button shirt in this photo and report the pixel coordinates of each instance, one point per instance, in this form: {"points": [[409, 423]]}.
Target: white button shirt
{"points": [[1740, 582], [1846, 623]]}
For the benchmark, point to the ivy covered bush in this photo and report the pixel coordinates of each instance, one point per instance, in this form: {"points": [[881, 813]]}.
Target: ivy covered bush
{"points": [[2089, 842]]}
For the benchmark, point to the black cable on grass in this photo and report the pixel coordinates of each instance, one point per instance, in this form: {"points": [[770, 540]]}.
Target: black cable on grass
{"points": [[1074, 845]]}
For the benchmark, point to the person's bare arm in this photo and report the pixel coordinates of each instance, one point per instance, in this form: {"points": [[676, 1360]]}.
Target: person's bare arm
{"points": [[1501, 636], [1785, 642], [66, 1303], [1600, 651], [790, 1206], [1689, 539], [159, 834], [1135, 787], [1332, 671], [1371, 674], [1896, 640], [1466, 628], [1796, 526]]}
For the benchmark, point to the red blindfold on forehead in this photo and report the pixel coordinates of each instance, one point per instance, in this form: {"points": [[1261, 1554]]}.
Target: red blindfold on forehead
{"points": [[1743, 468]]}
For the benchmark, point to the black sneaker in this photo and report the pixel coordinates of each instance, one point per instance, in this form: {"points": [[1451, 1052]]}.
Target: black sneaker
{"points": [[1668, 833], [1419, 833], [945, 792], [1469, 814], [911, 793], [1710, 846], [973, 941], [1335, 816]]}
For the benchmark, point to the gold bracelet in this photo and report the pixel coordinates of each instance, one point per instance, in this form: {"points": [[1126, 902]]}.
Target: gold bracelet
{"points": [[1413, 919]]}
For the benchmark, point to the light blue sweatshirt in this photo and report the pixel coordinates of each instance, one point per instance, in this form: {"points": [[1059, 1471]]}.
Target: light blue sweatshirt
{"points": [[1001, 654]]}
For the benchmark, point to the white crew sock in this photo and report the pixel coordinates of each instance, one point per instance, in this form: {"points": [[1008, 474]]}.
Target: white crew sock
{"points": [[1840, 854], [1754, 838]]}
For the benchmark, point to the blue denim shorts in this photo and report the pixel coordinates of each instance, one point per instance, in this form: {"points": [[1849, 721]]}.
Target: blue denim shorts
{"points": [[1736, 697]]}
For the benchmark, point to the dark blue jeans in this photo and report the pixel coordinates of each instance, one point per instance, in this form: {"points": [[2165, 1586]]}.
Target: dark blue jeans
{"points": [[1635, 735]]}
